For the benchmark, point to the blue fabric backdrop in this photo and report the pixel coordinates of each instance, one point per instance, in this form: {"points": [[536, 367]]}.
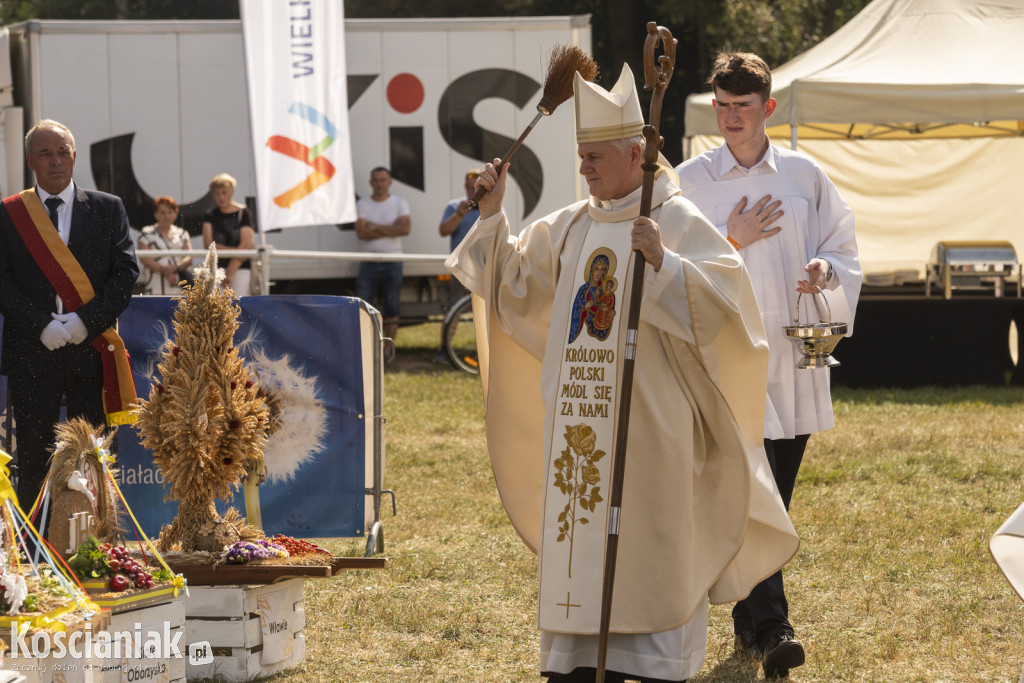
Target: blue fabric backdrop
{"points": [[308, 349]]}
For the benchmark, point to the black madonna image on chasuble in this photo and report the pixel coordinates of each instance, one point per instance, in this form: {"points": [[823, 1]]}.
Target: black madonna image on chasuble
{"points": [[594, 306]]}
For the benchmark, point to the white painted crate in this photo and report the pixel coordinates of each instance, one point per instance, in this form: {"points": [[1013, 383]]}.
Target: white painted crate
{"points": [[228, 618], [51, 669], [98, 670], [173, 614]]}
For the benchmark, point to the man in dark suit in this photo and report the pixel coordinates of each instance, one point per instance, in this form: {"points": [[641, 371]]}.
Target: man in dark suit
{"points": [[58, 337]]}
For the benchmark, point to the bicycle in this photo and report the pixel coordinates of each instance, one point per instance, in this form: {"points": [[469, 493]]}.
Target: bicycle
{"points": [[460, 336]]}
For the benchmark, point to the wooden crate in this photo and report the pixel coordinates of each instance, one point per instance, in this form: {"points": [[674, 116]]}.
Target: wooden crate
{"points": [[229, 619], [52, 669], [171, 613]]}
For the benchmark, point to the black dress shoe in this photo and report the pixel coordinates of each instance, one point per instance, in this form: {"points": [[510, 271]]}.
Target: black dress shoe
{"points": [[782, 652]]}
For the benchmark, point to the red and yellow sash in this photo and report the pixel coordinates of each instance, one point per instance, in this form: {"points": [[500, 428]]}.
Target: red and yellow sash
{"points": [[64, 272]]}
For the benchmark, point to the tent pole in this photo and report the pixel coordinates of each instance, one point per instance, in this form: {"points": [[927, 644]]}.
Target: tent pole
{"points": [[793, 125]]}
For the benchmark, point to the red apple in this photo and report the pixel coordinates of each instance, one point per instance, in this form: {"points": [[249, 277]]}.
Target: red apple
{"points": [[118, 582]]}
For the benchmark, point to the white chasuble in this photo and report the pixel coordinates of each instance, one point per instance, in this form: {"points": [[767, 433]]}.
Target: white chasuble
{"points": [[578, 476], [701, 517], [1007, 548]]}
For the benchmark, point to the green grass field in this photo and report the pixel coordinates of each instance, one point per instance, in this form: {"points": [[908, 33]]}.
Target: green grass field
{"points": [[893, 581]]}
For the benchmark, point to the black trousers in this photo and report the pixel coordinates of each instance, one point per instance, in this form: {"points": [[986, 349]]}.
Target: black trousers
{"points": [[766, 609], [587, 674], [36, 401]]}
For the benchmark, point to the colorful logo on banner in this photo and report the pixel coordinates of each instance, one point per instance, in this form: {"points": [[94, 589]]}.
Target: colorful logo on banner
{"points": [[323, 169]]}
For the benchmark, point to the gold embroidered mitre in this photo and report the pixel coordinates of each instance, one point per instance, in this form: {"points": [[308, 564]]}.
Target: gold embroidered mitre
{"points": [[607, 115]]}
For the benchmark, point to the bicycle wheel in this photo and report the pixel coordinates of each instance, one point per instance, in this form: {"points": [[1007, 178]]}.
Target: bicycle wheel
{"points": [[460, 336]]}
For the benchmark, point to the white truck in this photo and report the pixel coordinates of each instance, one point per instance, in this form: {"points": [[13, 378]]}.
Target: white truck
{"points": [[160, 107]]}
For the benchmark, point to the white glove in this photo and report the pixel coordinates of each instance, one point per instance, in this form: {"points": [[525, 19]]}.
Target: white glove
{"points": [[54, 335], [74, 325]]}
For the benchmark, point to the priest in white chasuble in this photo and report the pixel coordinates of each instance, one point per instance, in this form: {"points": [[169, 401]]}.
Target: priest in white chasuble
{"points": [[701, 519]]}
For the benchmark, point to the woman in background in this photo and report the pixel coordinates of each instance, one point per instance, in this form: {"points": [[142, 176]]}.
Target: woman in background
{"points": [[163, 274], [228, 224]]}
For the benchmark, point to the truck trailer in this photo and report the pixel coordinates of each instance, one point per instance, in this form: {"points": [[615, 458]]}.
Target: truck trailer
{"points": [[160, 107]]}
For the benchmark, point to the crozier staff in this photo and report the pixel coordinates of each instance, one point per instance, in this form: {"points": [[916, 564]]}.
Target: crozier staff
{"points": [[551, 406], [656, 78]]}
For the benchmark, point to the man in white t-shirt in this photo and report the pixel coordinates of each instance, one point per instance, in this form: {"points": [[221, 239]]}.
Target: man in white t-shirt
{"points": [[383, 220]]}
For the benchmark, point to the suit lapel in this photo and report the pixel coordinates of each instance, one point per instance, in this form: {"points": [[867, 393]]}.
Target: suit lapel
{"points": [[79, 237]]}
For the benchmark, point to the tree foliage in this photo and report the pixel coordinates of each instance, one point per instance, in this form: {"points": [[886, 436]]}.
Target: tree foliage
{"points": [[23, 10]]}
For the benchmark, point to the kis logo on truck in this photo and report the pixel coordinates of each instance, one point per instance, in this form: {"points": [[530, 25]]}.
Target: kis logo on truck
{"points": [[112, 157], [405, 94], [461, 132]]}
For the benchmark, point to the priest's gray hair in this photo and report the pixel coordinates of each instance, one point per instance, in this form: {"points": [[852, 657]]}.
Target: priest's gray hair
{"points": [[623, 144]]}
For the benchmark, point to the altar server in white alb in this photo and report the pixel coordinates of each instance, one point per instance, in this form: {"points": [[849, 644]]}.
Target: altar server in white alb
{"points": [[796, 237], [701, 517]]}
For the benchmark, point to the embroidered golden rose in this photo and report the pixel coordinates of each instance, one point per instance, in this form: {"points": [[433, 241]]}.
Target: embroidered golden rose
{"points": [[577, 476]]}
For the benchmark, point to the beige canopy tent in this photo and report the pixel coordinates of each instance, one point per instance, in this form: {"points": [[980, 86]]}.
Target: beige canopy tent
{"points": [[915, 108]]}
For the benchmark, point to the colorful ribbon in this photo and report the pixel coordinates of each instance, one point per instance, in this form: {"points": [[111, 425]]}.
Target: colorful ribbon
{"points": [[178, 581]]}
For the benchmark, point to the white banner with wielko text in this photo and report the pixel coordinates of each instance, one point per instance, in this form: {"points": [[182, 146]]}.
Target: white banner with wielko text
{"points": [[298, 111]]}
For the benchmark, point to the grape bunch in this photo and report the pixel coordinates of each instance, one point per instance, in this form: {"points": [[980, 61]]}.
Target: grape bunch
{"points": [[128, 572], [243, 551], [298, 546]]}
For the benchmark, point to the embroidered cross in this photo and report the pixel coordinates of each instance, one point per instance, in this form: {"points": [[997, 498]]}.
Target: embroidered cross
{"points": [[567, 604]]}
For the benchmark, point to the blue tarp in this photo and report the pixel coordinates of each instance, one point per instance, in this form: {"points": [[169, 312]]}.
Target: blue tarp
{"points": [[307, 350]]}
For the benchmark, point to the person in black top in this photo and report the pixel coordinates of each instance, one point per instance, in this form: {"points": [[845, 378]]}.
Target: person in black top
{"points": [[229, 225]]}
